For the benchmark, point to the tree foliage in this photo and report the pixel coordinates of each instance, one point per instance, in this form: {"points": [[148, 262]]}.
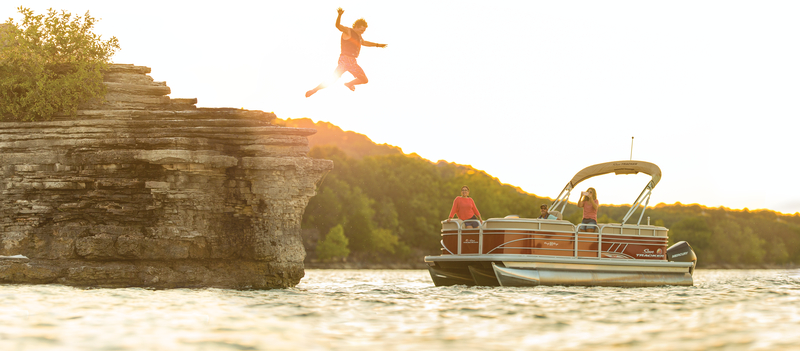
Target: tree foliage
{"points": [[51, 63], [391, 206], [353, 144], [696, 232], [334, 246]]}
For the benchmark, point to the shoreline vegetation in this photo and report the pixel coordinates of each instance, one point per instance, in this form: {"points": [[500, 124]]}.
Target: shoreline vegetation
{"points": [[50, 64], [380, 208]]}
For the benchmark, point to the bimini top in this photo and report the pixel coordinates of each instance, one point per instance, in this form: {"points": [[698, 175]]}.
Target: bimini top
{"points": [[618, 167]]}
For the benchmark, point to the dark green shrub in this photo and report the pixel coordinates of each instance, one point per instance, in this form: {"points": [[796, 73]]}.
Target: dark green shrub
{"points": [[334, 246]]}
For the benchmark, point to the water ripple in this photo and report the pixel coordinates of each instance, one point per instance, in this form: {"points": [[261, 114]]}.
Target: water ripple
{"points": [[402, 310]]}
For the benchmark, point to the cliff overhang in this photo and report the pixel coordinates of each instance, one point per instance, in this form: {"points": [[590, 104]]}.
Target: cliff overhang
{"points": [[144, 190]]}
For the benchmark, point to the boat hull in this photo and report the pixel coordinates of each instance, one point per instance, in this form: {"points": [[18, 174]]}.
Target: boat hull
{"points": [[531, 270], [448, 277], [484, 277], [534, 277]]}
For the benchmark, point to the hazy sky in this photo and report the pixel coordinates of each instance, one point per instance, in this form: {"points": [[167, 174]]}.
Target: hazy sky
{"points": [[529, 91]]}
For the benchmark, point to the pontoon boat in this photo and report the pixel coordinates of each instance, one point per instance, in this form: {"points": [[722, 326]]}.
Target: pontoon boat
{"points": [[516, 251]]}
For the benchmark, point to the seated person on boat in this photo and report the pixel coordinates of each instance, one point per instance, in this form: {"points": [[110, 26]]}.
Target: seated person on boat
{"points": [[465, 208], [546, 214]]}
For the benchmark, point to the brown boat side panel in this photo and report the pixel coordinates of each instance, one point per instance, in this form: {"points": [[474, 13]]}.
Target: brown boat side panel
{"points": [[514, 243], [618, 246], [555, 244], [522, 242]]}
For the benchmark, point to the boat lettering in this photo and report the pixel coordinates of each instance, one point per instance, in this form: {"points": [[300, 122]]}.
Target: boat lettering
{"points": [[470, 241], [647, 253], [550, 243], [680, 254]]}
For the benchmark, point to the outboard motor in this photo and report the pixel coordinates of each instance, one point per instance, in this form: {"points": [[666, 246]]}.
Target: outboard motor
{"points": [[682, 252]]}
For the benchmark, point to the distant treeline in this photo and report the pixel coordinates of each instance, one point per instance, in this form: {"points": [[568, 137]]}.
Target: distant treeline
{"points": [[384, 207], [721, 236], [353, 144]]}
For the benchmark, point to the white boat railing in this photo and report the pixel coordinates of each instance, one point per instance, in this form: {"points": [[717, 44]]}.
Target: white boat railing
{"points": [[598, 233], [458, 224], [445, 247], [617, 245]]}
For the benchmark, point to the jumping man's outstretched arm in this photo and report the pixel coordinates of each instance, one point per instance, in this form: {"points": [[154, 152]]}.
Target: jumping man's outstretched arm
{"points": [[339, 25], [369, 43]]}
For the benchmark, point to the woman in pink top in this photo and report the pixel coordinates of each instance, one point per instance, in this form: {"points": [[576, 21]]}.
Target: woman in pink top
{"points": [[588, 202], [465, 208]]}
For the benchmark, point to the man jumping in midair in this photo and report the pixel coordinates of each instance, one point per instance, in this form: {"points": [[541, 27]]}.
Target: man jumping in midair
{"points": [[351, 46]]}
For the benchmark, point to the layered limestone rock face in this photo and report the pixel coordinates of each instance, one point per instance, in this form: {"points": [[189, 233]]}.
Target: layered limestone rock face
{"points": [[143, 190]]}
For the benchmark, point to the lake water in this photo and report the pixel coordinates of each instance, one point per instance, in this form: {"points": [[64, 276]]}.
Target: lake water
{"points": [[402, 310]]}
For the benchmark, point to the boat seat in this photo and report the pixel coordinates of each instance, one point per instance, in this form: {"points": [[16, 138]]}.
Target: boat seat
{"points": [[455, 223], [556, 213]]}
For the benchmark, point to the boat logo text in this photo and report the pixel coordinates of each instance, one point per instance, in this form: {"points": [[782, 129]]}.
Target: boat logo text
{"points": [[649, 253]]}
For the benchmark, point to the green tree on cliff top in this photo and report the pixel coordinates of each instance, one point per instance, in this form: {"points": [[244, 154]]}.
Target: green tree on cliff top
{"points": [[49, 64]]}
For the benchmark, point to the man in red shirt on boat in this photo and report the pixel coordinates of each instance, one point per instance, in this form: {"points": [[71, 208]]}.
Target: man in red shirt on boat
{"points": [[351, 47], [465, 208]]}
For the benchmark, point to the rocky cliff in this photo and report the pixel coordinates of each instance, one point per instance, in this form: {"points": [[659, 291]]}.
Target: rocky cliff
{"points": [[144, 190]]}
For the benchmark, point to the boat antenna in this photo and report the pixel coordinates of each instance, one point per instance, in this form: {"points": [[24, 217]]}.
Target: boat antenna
{"points": [[631, 148]]}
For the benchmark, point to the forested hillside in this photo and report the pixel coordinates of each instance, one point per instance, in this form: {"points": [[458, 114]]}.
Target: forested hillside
{"points": [[380, 206], [353, 144]]}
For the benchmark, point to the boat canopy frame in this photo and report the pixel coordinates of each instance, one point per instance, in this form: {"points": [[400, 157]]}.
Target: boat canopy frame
{"points": [[616, 167]]}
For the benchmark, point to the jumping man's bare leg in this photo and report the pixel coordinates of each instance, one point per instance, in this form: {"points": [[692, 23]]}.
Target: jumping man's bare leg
{"points": [[337, 73], [312, 91], [351, 84]]}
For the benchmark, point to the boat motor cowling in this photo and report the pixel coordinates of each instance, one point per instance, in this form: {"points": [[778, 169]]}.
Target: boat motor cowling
{"points": [[682, 252]]}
